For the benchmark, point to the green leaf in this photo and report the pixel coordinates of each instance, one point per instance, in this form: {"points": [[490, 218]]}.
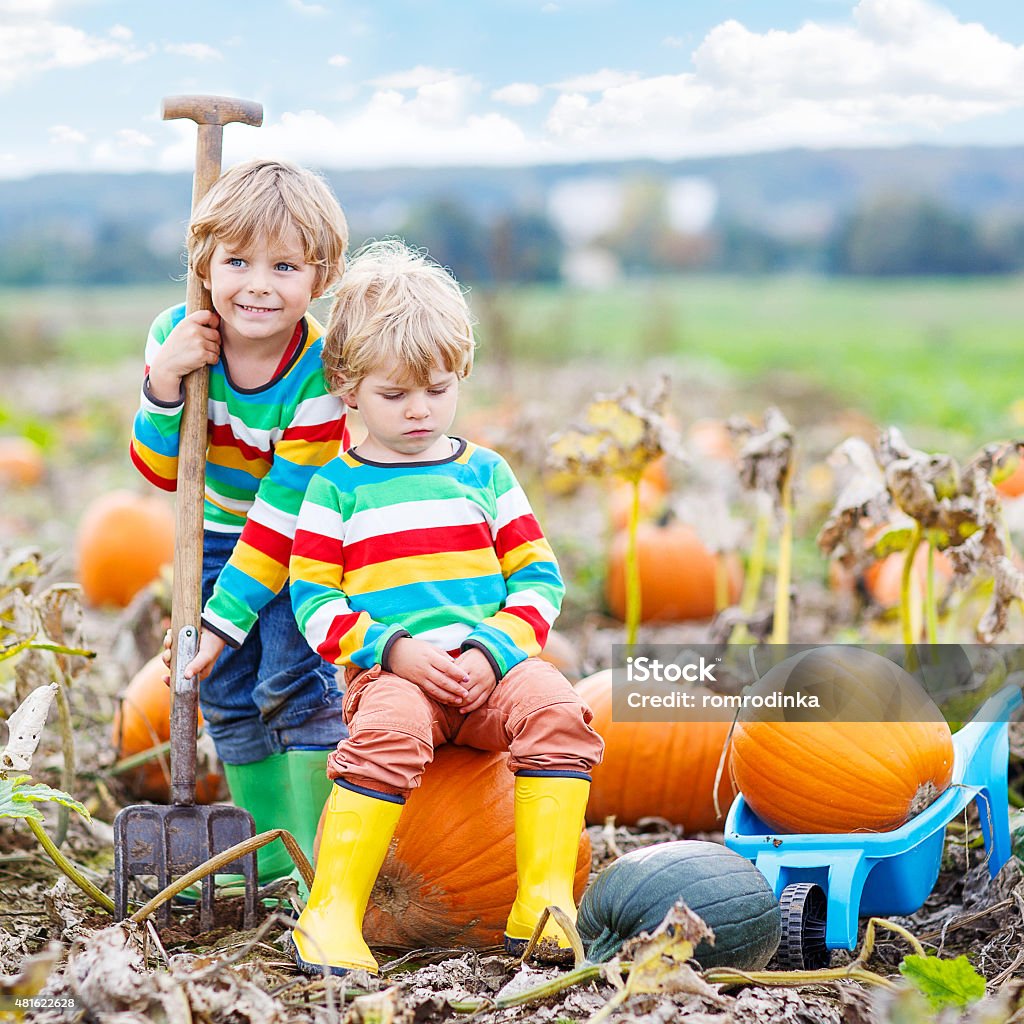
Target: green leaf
{"points": [[18, 795], [944, 982]]}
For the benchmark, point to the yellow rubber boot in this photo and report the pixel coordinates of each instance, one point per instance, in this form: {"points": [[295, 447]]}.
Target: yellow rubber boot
{"points": [[357, 833], [549, 814]]}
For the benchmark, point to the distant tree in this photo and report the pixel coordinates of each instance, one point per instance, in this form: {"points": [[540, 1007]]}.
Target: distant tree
{"points": [[516, 248], [907, 235], [742, 249], [452, 236], [524, 248]]}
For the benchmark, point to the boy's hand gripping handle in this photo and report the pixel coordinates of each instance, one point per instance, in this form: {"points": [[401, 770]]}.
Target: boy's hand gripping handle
{"points": [[210, 113]]}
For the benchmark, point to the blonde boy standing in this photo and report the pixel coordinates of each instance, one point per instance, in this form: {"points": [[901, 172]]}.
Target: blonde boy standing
{"points": [[419, 567], [267, 239]]}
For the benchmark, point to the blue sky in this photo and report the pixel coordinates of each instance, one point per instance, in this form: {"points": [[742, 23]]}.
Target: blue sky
{"points": [[449, 82]]}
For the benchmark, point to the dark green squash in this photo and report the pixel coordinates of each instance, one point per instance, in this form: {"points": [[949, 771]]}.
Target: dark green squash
{"points": [[634, 894]]}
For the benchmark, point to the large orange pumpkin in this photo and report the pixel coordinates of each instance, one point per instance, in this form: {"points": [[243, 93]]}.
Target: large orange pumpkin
{"points": [[21, 462], [123, 540], [141, 722], [677, 574], [655, 769], [843, 775], [449, 878]]}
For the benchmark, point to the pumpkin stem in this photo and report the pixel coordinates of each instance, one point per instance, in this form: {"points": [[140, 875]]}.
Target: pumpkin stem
{"points": [[906, 602], [68, 868], [721, 582], [755, 564], [868, 946], [930, 607], [67, 737], [780, 628], [633, 597]]}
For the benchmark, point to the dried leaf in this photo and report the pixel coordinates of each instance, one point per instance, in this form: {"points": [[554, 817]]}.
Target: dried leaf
{"points": [[380, 1008], [25, 728], [766, 454], [35, 970], [863, 502], [659, 960], [621, 436]]}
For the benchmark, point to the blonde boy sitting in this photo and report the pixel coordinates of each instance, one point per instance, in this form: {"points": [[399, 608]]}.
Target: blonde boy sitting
{"points": [[418, 565]]}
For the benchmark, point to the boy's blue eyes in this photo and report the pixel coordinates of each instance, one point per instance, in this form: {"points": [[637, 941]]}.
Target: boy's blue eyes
{"points": [[237, 261]]}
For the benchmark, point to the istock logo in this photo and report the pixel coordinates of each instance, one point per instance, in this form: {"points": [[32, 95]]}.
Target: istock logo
{"points": [[646, 670]]}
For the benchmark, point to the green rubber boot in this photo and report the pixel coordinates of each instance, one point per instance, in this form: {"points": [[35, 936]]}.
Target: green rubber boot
{"points": [[263, 789], [308, 791]]}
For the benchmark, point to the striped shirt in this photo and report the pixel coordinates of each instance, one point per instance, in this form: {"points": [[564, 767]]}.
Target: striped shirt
{"points": [[263, 446], [448, 552]]}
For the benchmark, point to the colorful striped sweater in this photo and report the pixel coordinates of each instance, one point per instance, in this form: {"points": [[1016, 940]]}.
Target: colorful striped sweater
{"points": [[264, 445], [448, 552]]}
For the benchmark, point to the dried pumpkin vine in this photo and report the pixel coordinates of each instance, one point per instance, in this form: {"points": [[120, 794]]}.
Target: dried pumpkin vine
{"points": [[621, 436], [766, 464], [32, 625], [917, 498]]}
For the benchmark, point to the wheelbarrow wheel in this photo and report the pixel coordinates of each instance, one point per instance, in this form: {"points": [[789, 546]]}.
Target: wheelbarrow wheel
{"points": [[804, 907]]}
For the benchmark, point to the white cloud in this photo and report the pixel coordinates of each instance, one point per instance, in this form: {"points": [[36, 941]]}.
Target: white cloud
{"points": [[392, 129], [196, 51], [314, 10], [898, 69], [877, 72], [31, 47], [61, 134], [606, 78], [673, 42], [129, 138], [127, 150], [414, 78], [32, 8], [518, 94]]}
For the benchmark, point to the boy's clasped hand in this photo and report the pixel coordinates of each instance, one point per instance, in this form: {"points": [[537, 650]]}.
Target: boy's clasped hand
{"points": [[464, 682]]}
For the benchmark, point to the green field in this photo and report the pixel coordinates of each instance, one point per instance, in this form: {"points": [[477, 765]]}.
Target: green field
{"points": [[919, 353], [944, 354]]}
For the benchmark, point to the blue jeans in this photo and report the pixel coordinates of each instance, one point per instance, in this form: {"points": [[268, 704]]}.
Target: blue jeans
{"points": [[275, 691]]}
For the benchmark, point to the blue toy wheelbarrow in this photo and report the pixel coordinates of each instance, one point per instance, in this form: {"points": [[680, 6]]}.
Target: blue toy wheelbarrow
{"points": [[824, 883]]}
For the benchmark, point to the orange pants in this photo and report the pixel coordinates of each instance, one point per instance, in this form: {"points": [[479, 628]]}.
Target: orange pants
{"points": [[394, 727]]}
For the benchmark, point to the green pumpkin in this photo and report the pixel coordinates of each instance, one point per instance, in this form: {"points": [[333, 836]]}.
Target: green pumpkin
{"points": [[634, 894]]}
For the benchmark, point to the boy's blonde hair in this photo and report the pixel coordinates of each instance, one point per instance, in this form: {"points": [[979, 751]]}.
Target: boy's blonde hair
{"points": [[396, 308], [262, 201]]}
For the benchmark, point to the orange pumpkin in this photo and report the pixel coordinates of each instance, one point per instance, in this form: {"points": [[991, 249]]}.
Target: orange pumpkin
{"points": [[449, 878], [655, 769], [1012, 486], [677, 574], [143, 721], [843, 775], [884, 578], [21, 462], [123, 541], [710, 439], [620, 502]]}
